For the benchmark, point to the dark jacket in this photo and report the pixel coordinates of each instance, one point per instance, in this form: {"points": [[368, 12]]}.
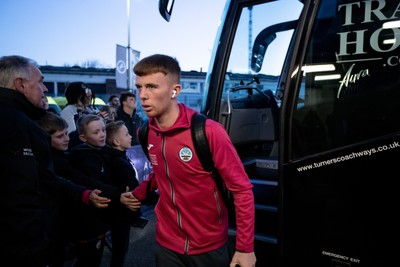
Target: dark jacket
{"points": [[30, 192], [122, 174], [64, 168], [132, 123], [92, 162]]}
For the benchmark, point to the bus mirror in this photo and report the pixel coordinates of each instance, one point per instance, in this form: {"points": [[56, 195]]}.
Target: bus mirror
{"points": [[259, 49], [165, 8], [264, 39]]}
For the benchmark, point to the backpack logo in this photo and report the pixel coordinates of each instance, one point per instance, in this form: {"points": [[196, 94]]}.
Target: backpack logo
{"points": [[185, 154]]}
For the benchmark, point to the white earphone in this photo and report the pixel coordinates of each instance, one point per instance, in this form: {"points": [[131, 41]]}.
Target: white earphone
{"points": [[173, 94]]}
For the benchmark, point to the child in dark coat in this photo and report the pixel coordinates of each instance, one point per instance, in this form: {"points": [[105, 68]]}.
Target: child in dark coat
{"points": [[73, 217], [124, 176], [92, 158], [77, 220]]}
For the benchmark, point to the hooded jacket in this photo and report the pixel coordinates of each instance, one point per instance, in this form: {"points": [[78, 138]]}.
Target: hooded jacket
{"points": [[30, 192], [191, 215]]}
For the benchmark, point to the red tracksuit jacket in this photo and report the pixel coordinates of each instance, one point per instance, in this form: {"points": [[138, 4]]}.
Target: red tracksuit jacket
{"points": [[191, 215]]}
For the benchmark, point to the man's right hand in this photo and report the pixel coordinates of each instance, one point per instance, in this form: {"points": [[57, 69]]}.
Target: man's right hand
{"points": [[130, 201]]}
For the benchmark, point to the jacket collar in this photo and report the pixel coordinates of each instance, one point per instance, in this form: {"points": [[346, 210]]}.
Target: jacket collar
{"points": [[122, 113], [13, 99], [182, 122]]}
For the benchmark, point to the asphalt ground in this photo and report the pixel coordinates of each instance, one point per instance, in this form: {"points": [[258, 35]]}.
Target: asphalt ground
{"points": [[141, 245]]}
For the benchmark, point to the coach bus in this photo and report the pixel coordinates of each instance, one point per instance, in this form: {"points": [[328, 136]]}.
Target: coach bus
{"points": [[315, 119]]}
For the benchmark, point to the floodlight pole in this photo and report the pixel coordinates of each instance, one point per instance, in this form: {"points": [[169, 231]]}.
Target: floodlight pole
{"points": [[128, 70]]}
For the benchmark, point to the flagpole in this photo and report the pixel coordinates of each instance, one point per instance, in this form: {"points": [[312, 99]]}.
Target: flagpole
{"points": [[129, 47]]}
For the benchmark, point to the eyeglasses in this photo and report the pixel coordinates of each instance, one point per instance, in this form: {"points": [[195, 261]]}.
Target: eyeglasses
{"points": [[86, 88]]}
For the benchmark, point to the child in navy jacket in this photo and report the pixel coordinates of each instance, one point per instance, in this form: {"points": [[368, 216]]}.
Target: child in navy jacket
{"points": [[124, 176]]}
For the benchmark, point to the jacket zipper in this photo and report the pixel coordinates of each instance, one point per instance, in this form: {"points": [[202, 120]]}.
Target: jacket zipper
{"points": [[218, 205], [179, 219]]}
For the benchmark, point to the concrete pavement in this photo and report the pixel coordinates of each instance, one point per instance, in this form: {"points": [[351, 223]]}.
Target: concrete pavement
{"points": [[141, 246]]}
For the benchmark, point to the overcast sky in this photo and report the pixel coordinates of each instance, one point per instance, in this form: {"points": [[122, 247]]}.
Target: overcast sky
{"points": [[59, 32]]}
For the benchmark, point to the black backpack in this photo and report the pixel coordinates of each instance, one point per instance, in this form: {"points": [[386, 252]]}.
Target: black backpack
{"points": [[202, 148]]}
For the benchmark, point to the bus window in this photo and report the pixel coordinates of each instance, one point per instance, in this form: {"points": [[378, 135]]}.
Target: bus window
{"points": [[250, 103], [351, 90]]}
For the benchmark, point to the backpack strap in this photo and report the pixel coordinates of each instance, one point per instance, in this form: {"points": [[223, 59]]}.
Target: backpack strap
{"points": [[200, 141], [202, 148], [143, 137]]}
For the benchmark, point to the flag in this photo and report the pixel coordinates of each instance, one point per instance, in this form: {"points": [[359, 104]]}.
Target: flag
{"points": [[121, 76], [135, 57]]}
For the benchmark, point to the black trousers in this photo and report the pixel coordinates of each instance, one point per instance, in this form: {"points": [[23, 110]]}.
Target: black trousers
{"points": [[120, 242], [220, 257], [90, 254]]}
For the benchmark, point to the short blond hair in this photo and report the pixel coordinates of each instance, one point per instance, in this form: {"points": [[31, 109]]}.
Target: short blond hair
{"points": [[112, 129], [83, 122]]}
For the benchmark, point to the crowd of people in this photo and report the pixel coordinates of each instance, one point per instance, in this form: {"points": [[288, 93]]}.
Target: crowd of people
{"points": [[68, 180]]}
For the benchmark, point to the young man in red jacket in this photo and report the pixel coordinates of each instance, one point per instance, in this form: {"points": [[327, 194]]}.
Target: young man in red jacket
{"points": [[192, 220]]}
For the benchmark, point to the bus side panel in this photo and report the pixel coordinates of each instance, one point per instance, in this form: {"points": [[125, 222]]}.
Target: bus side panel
{"points": [[340, 207]]}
